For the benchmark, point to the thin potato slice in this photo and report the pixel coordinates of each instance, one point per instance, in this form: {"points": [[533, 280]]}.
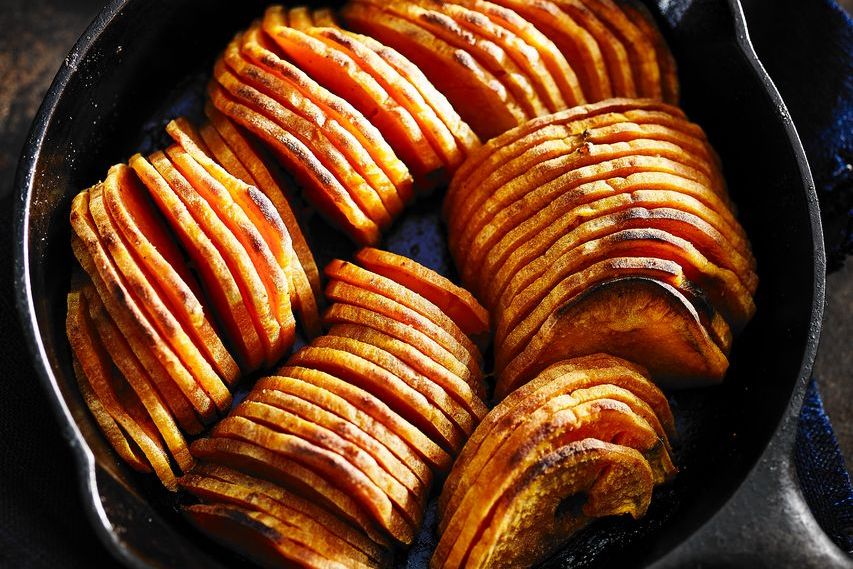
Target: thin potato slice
{"points": [[261, 537], [256, 47], [453, 300], [92, 368], [640, 16], [615, 478], [666, 335], [217, 277], [321, 187], [339, 291], [334, 525], [398, 87], [334, 395], [328, 465], [352, 433], [352, 361], [559, 422], [345, 313], [143, 338], [577, 45], [423, 364], [479, 97], [290, 424], [356, 276], [374, 407], [335, 70], [151, 302], [300, 528], [158, 254], [486, 52]]}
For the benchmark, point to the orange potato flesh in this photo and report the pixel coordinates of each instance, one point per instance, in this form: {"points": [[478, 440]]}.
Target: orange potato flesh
{"points": [[150, 301], [158, 255], [300, 528], [351, 361], [478, 96], [321, 187], [487, 53], [220, 284], [332, 524], [336, 71], [312, 136], [559, 422], [615, 478], [147, 345], [345, 313], [352, 433], [358, 277], [259, 49], [335, 396], [94, 377], [290, 424], [374, 407], [640, 17], [454, 300], [576, 43], [301, 115], [661, 330]]}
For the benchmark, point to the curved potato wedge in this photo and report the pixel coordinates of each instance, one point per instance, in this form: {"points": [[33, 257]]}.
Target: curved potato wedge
{"points": [[666, 335], [335, 70], [335, 396], [301, 528], [338, 529], [453, 300], [615, 478], [478, 96]]}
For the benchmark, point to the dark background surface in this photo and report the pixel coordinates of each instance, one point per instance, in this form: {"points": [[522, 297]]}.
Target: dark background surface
{"points": [[35, 36]]}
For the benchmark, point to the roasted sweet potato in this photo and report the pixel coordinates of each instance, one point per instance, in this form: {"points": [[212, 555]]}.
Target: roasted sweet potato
{"points": [[640, 16], [643, 320], [480, 98]]}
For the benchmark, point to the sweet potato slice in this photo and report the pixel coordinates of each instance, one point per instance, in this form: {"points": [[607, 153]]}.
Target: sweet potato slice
{"points": [[641, 52], [352, 361], [321, 187], [287, 423], [403, 92], [315, 515], [258, 48], [148, 298], [561, 378], [640, 16], [333, 467], [259, 536], [92, 368], [220, 283], [615, 478], [491, 55], [376, 408], [480, 98], [146, 343], [665, 335], [559, 422], [335, 396], [390, 289], [350, 432], [335, 70], [158, 255], [625, 211], [453, 300], [465, 138], [578, 46], [345, 313]]}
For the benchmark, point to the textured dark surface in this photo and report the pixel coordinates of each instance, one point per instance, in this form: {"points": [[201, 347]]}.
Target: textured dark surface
{"points": [[36, 36]]}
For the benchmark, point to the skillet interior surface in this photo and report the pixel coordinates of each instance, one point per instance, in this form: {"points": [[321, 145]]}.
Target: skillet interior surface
{"points": [[148, 61]]}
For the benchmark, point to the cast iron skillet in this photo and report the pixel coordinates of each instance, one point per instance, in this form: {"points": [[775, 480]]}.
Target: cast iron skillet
{"points": [[736, 502]]}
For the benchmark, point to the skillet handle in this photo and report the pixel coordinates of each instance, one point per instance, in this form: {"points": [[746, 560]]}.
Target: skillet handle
{"points": [[765, 524]]}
